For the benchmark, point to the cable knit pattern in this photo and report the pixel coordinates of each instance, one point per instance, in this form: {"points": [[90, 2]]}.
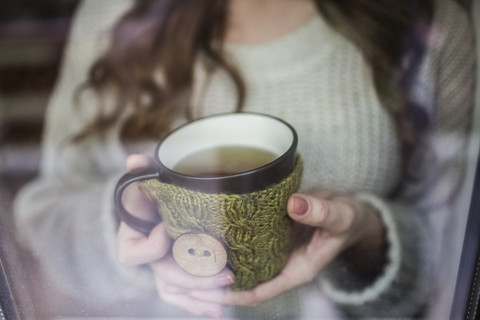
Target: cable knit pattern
{"points": [[317, 81], [254, 227]]}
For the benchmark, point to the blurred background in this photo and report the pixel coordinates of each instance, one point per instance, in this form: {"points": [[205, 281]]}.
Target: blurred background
{"points": [[32, 36]]}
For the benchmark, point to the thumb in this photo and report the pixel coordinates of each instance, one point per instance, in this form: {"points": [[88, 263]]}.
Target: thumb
{"points": [[137, 161], [331, 215]]}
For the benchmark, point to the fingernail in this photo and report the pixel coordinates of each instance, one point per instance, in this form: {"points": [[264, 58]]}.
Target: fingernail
{"points": [[297, 205], [225, 279]]}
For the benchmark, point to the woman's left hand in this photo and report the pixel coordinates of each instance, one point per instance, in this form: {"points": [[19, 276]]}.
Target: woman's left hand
{"points": [[338, 223]]}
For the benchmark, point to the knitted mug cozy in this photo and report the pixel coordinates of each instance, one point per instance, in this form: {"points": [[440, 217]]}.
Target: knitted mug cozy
{"points": [[254, 227]]}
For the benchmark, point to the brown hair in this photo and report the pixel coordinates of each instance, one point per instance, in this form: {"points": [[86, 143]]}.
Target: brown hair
{"points": [[169, 35], [392, 36], [166, 35]]}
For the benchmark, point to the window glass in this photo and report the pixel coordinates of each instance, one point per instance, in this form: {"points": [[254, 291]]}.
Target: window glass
{"points": [[341, 191]]}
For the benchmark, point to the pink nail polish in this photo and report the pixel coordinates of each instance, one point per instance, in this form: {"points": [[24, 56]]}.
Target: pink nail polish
{"points": [[225, 279], [297, 205]]}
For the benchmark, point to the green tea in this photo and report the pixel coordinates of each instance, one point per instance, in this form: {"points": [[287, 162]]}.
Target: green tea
{"points": [[224, 160]]}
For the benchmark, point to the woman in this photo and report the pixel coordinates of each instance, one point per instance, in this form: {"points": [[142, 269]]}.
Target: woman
{"points": [[378, 92]]}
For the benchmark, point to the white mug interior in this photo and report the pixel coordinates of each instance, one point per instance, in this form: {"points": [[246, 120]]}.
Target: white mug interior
{"points": [[234, 129]]}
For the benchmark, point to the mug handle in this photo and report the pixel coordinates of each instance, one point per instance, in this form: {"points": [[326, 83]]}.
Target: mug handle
{"points": [[138, 175]]}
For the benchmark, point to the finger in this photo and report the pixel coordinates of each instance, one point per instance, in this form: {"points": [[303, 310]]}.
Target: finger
{"points": [[178, 297], [136, 200], [248, 298], [300, 269], [137, 161], [332, 215], [134, 248], [322, 194], [167, 287], [168, 270]]}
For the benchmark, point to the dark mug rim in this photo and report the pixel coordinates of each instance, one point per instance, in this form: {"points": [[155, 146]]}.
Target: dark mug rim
{"points": [[237, 183]]}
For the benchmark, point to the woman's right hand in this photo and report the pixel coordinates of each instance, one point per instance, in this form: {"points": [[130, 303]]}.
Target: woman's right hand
{"points": [[135, 248]]}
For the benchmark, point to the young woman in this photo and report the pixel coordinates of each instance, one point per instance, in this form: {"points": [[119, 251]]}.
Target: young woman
{"points": [[379, 93]]}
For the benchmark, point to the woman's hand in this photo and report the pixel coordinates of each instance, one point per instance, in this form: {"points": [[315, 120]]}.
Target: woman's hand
{"points": [[338, 223], [135, 248]]}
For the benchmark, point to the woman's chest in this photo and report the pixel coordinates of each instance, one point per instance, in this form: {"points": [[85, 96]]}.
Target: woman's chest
{"points": [[347, 140]]}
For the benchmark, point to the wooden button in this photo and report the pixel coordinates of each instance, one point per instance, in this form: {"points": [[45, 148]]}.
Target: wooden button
{"points": [[199, 254]]}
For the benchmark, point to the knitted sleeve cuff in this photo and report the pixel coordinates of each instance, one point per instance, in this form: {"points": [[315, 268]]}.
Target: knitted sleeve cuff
{"points": [[383, 281]]}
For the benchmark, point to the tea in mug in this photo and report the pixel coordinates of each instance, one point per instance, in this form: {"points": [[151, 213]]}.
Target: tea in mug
{"points": [[225, 160]]}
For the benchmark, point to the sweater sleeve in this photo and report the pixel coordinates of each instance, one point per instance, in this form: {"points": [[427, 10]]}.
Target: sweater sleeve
{"points": [[416, 219], [65, 216]]}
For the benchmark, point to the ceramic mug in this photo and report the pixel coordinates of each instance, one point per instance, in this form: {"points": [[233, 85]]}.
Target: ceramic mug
{"points": [[223, 218]]}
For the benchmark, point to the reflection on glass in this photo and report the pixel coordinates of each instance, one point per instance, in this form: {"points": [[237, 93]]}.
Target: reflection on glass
{"points": [[380, 95]]}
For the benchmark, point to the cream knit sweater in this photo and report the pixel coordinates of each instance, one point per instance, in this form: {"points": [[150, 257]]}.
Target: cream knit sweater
{"points": [[316, 80]]}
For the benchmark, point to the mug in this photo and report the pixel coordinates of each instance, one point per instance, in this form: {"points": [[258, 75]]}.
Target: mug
{"points": [[229, 212]]}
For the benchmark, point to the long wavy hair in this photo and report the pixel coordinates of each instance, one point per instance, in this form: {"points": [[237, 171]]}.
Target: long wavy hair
{"points": [[167, 36]]}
